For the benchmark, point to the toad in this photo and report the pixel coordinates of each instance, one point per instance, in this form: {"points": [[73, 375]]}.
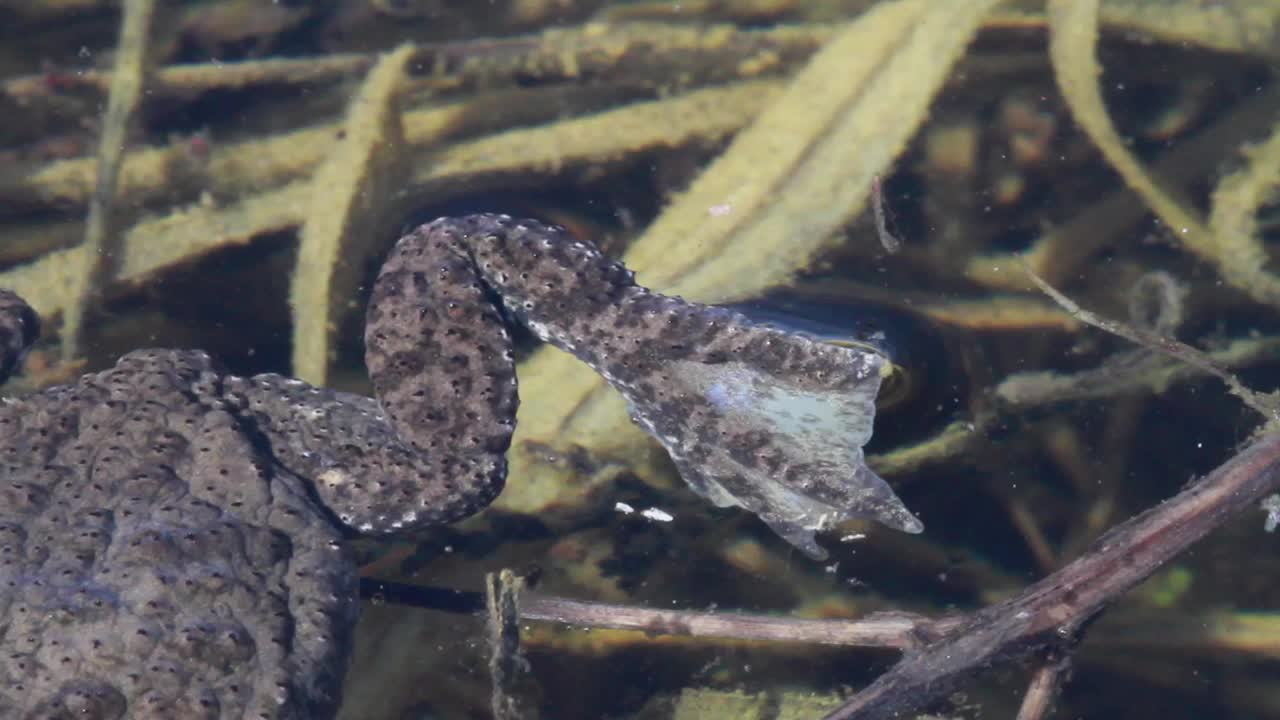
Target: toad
{"points": [[171, 535]]}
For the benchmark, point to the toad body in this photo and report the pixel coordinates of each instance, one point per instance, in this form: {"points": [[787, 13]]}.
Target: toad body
{"points": [[171, 535]]}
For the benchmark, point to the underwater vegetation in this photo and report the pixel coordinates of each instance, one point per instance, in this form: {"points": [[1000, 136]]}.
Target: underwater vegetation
{"points": [[958, 191]]}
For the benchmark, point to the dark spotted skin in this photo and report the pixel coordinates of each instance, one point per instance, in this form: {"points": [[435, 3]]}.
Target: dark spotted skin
{"points": [[170, 534], [660, 352], [155, 562]]}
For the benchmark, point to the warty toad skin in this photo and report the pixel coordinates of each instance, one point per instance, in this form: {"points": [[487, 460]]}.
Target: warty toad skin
{"points": [[171, 535]]}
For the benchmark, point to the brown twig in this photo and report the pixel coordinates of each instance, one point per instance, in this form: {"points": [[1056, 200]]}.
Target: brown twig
{"points": [[1264, 405], [1049, 614], [893, 630], [1038, 701], [886, 629]]}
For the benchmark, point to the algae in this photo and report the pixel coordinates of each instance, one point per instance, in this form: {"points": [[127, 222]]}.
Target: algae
{"points": [[353, 196], [102, 239]]}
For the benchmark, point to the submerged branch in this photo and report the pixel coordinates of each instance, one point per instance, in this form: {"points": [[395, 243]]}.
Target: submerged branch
{"points": [[941, 654], [895, 630], [1049, 614]]}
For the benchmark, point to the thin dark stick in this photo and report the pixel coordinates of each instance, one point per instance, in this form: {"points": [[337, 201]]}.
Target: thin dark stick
{"points": [[1263, 404], [1049, 614], [422, 596]]}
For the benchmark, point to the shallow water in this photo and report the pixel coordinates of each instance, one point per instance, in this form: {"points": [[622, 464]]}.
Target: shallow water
{"points": [[997, 166]]}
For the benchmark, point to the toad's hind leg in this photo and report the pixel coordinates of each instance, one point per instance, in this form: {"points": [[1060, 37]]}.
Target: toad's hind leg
{"points": [[19, 327], [431, 449], [441, 359]]}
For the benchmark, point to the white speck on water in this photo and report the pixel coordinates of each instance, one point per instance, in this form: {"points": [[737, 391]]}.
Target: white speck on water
{"points": [[657, 515], [1271, 504], [623, 508]]}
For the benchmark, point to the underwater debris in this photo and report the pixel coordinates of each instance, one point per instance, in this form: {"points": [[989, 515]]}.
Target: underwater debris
{"points": [[1065, 250], [1236, 253], [1271, 506], [1127, 374], [1265, 404], [1050, 615]]}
